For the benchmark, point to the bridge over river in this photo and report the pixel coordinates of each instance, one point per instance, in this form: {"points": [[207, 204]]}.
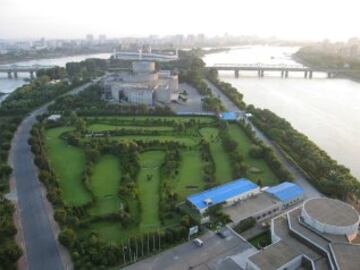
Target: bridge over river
{"points": [[283, 69], [15, 69]]}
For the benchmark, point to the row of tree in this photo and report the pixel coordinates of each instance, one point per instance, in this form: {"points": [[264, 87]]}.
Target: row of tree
{"points": [[325, 173]]}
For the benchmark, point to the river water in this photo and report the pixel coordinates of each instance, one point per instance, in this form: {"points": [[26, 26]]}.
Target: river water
{"points": [[9, 85], [326, 110]]}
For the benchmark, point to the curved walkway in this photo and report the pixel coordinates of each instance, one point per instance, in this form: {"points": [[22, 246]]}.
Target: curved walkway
{"points": [[42, 250]]}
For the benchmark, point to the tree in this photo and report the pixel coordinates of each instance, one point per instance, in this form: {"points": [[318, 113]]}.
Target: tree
{"points": [[67, 237]]}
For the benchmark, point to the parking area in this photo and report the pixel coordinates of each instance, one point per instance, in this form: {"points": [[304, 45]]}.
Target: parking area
{"points": [[214, 255], [193, 103]]}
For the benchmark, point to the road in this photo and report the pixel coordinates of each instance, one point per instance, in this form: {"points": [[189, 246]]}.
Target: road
{"points": [[42, 251], [300, 179], [212, 256]]}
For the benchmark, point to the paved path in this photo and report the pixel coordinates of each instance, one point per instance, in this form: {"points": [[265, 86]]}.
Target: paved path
{"points": [[300, 179], [212, 256], [42, 251]]}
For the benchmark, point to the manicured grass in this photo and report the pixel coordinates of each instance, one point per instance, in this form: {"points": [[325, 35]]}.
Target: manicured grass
{"points": [[106, 127], [223, 172], [259, 167], [188, 141], [190, 177], [68, 163], [104, 182], [149, 188], [103, 119]]}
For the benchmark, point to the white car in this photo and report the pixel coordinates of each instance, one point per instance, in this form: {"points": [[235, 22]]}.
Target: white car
{"points": [[198, 242]]}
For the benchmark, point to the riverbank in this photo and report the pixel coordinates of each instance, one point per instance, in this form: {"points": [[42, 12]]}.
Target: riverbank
{"points": [[354, 77], [50, 56]]}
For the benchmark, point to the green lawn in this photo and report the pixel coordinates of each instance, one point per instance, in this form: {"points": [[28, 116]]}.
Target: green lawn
{"points": [[104, 182], [149, 189], [190, 177], [106, 127], [68, 162], [106, 119], [223, 172], [188, 141], [258, 167]]}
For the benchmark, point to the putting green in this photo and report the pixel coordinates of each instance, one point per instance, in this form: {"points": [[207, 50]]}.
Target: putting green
{"points": [[68, 163]]}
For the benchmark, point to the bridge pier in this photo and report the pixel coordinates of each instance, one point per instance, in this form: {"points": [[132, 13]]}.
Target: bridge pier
{"points": [[9, 74], [282, 73], [286, 73], [262, 73], [31, 74], [329, 75], [310, 74], [236, 73], [305, 74], [15, 74]]}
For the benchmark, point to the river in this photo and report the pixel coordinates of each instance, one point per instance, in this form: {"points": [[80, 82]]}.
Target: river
{"points": [[9, 85], [326, 110]]}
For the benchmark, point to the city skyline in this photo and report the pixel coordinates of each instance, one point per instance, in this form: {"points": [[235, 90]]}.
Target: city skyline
{"points": [[305, 20]]}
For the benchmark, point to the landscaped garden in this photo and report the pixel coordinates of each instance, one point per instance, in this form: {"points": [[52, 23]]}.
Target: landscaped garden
{"points": [[124, 178]]}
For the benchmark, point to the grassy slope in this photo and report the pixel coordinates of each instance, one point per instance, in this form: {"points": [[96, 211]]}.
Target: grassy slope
{"points": [[188, 141], [149, 189], [190, 174], [265, 173], [105, 182], [105, 127], [102, 119], [222, 163], [68, 163]]}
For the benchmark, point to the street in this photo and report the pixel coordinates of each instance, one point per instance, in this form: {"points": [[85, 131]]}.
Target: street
{"points": [[42, 250], [213, 255]]}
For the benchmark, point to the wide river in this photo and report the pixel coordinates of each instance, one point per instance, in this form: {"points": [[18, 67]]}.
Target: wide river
{"points": [[326, 110]]}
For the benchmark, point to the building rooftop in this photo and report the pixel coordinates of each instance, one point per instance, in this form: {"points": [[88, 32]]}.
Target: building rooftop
{"points": [[229, 116], [274, 256], [331, 212], [221, 193], [285, 191], [296, 238], [346, 256], [249, 207]]}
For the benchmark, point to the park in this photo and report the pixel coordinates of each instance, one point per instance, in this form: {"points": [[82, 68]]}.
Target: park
{"points": [[174, 157]]}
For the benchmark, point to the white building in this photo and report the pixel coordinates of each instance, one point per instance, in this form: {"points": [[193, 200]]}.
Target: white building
{"points": [[143, 85]]}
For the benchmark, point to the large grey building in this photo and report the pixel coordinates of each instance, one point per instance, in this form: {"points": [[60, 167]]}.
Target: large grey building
{"points": [[321, 234], [143, 85]]}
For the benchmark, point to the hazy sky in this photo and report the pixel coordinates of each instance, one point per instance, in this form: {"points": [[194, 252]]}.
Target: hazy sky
{"points": [[291, 19]]}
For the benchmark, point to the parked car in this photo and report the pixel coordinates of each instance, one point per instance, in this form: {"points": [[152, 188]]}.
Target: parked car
{"points": [[223, 233], [198, 242]]}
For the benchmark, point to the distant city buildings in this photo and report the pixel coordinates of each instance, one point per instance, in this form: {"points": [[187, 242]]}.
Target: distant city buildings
{"points": [[142, 85]]}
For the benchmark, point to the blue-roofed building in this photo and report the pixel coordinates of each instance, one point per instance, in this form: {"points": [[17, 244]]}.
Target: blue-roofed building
{"points": [[227, 194], [229, 116], [286, 192]]}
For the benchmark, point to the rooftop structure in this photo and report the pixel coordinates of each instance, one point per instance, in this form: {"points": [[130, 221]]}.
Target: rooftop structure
{"points": [[229, 116], [331, 216], [148, 56], [298, 244], [227, 193], [286, 192]]}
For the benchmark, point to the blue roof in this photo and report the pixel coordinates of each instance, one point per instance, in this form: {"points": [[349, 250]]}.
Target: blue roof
{"points": [[229, 116], [285, 191], [221, 193]]}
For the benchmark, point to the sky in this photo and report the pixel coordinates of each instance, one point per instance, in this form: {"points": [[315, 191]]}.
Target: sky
{"points": [[287, 19]]}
